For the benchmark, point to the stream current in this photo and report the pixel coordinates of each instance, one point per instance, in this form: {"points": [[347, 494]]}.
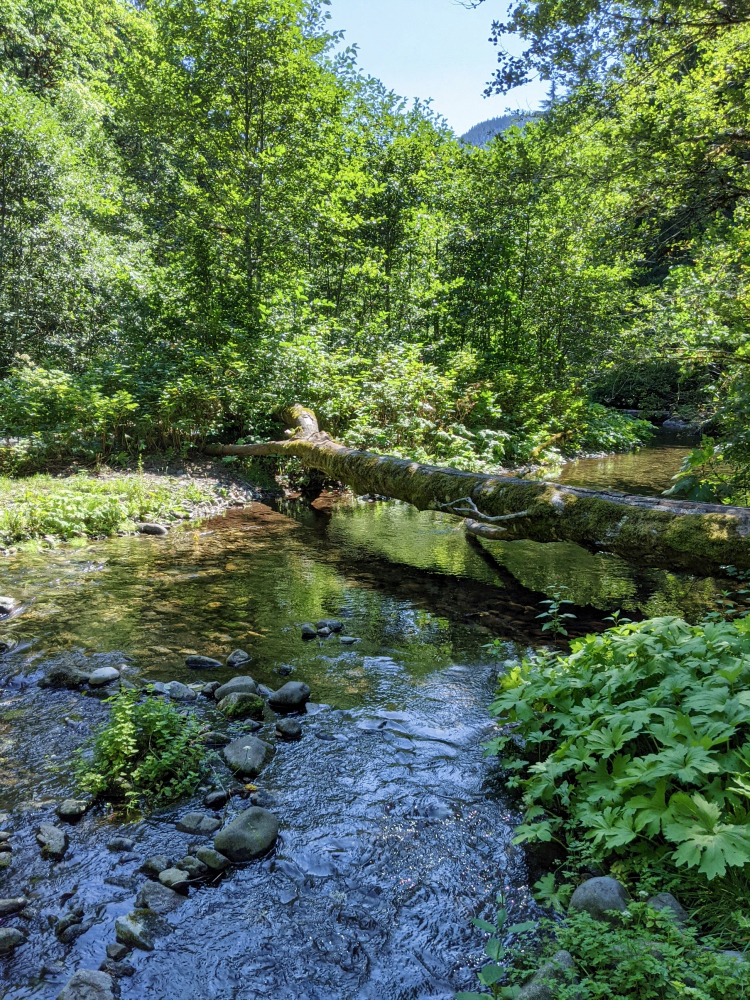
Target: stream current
{"points": [[395, 830]]}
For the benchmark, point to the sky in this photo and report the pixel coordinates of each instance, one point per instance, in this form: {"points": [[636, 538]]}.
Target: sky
{"points": [[432, 48]]}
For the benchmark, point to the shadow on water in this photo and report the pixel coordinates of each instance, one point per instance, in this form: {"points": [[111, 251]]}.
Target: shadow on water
{"points": [[389, 843]]}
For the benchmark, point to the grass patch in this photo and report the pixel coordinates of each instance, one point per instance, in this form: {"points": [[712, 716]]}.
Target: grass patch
{"points": [[87, 506]]}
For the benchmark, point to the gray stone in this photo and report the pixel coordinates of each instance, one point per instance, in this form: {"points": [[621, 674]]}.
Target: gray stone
{"points": [[121, 844], [155, 864], [53, 841], [348, 640], [68, 934], [289, 729], [193, 866], [71, 810], [324, 633], [212, 859], [213, 739], [238, 657], [7, 604], [264, 692], [666, 903], [547, 977], [210, 689], [69, 919], [216, 800], [14, 905], [263, 798], [64, 677], [240, 705], [88, 985], [599, 896], [10, 938], [181, 692], [309, 631], [198, 822], [137, 929], [243, 683], [247, 837], [158, 688], [159, 898], [285, 670], [175, 878], [290, 698], [202, 663], [117, 969], [117, 951], [103, 675], [246, 755], [153, 529], [332, 624]]}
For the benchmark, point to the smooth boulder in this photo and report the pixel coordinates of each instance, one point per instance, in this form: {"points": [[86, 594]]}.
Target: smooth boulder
{"points": [[155, 864], [10, 938], [250, 835], [202, 663], [217, 799], [289, 729], [243, 684], [137, 929], [52, 840], [246, 755], [212, 859], [290, 698], [239, 705], [181, 692], [665, 902], [71, 810], [86, 984], [13, 905], [309, 631], [599, 897], [175, 878], [237, 657], [103, 675], [153, 529]]}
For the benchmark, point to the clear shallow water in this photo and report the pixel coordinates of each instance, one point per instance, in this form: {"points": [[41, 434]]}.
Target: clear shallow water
{"points": [[395, 831], [647, 472]]}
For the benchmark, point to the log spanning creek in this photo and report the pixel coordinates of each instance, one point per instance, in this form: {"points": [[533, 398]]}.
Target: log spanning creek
{"points": [[394, 830]]}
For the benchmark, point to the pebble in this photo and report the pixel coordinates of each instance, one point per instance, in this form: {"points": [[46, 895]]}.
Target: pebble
{"points": [[53, 841], [153, 529], [193, 866], [284, 670], [237, 657], [202, 663], [115, 969], [323, 735], [175, 878], [332, 624], [121, 844], [324, 633], [289, 729], [155, 864], [263, 799], [290, 698], [198, 822], [71, 810], [103, 675], [216, 800], [348, 640]]}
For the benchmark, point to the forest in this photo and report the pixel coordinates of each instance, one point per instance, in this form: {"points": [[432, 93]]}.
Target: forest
{"points": [[214, 223]]}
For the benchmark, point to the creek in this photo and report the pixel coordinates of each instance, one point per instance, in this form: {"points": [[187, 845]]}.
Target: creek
{"points": [[395, 830]]}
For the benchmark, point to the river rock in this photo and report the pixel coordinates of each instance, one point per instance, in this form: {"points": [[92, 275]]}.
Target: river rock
{"points": [[159, 898], [71, 810], [53, 841], [216, 800], [246, 755], [137, 929], [118, 970], [289, 729], [7, 604], [598, 896], [237, 657], [210, 689], [214, 739], [198, 822], [309, 631], [181, 692], [13, 905], [103, 675], [239, 705], [88, 985], [348, 640], [244, 684], [64, 676], [117, 951], [284, 670], [175, 878], [156, 864], [247, 837], [202, 663], [666, 903], [121, 844], [10, 938], [73, 916], [545, 980], [290, 698], [153, 529], [332, 624], [212, 859], [263, 799], [324, 633], [193, 866]]}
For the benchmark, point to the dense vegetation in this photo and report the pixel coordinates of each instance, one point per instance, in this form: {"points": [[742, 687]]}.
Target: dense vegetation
{"points": [[205, 211]]}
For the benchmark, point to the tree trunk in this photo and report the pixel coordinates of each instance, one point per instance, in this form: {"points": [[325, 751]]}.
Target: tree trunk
{"points": [[676, 534]]}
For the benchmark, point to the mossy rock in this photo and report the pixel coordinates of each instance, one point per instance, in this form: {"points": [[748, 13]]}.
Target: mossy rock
{"points": [[241, 705]]}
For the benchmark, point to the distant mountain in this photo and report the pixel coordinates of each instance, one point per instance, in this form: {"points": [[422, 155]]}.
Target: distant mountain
{"points": [[480, 135]]}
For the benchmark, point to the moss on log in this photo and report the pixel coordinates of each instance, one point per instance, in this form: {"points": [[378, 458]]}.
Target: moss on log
{"points": [[693, 537]]}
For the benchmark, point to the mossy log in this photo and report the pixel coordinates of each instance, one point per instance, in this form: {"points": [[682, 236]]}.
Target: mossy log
{"points": [[676, 534]]}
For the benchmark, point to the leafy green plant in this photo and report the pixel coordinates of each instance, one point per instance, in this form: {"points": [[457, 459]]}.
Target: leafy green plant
{"points": [[147, 752], [639, 739], [554, 614], [498, 952]]}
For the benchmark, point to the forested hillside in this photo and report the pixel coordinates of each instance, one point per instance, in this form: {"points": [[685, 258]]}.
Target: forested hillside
{"points": [[206, 212]]}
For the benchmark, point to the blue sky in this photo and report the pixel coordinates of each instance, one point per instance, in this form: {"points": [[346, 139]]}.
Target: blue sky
{"points": [[432, 48]]}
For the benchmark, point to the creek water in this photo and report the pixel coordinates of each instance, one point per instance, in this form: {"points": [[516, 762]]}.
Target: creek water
{"points": [[395, 830]]}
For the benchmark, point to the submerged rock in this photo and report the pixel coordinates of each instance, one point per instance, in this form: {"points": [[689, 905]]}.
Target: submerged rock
{"points": [[10, 938], [198, 822], [598, 896], [53, 841], [250, 835], [121, 844], [103, 675], [159, 898], [71, 810], [86, 984], [117, 951], [237, 657], [244, 684], [138, 928], [332, 624], [153, 529], [290, 698], [309, 631], [202, 663], [13, 905], [7, 604], [240, 705], [246, 755]]}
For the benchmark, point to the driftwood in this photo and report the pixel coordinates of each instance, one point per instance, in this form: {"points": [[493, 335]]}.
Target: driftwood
{"points": [[655, 531]]}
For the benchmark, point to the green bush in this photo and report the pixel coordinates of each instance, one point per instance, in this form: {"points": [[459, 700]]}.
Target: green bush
{"points": [[147, 752], [639, 740]]}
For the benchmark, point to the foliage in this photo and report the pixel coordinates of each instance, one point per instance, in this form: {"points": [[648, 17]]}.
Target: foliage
{"points": [[146, 752], [638, 741], [498, 952]]}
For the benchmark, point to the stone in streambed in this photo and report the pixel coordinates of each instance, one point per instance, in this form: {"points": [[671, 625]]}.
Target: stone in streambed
{"points": [[243, 684], [239, 705], [194, 867], [324, 633], [67, 920], [290, 698], [71, 810], [289, 729], [117, 970], [198, 822], [202, 663], [348, 640], [7, 604], [117, 951], [212, 859], [213, 739], [246, 755], [210, 689], [159, 898], [103, 675], [153, 529], [52, 840], [216, 800], [598, 896], [64, 677], [156, 864], [121, 844], [309, 631], [237, 657], [138, 928], [247, 837], [175, 878], [181, 692], [88, 985], [263, 798], [14, 905], [332, 624], [10, 938]]}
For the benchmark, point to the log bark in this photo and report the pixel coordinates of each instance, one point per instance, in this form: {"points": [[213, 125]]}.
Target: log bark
{"points": [[654, 531]]}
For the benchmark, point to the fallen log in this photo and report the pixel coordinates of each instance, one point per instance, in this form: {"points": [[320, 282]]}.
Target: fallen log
{"points": [[654, 531]]}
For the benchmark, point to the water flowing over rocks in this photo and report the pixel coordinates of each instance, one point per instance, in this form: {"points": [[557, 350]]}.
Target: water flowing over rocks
{"points": [[88, 985], [159, 898], [52, 840]]}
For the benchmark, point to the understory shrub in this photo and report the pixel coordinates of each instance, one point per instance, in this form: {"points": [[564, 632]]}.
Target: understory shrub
{"points": [[148, 752]]}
